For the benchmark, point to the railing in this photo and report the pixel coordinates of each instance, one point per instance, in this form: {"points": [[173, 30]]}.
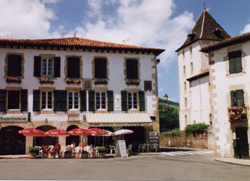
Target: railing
{"points": [[237, 114]]}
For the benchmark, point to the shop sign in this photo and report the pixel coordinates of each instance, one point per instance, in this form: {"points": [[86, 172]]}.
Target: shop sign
{"points": [[153, 135], [12, 119], [121, 150]]}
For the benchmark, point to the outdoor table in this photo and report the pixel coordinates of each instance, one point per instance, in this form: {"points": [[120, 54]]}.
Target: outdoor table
{"points": [[87, 148], [148, 146]]}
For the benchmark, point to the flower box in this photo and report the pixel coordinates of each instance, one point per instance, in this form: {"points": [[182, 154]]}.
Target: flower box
{"points": [[13, 81], [72, 82], [237, 113], [105, 82], [132, 83], [46, 82]]}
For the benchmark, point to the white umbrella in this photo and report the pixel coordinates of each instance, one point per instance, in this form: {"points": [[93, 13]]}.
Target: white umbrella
{"points": [[123, 131]]}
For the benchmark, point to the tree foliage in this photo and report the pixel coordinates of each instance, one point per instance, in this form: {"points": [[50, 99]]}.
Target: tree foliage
{"points": [[201, 127]]}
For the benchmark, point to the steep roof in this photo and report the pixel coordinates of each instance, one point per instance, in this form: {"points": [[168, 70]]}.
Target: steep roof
{"points": [[237, 39], [206, 28], [76, 42]]}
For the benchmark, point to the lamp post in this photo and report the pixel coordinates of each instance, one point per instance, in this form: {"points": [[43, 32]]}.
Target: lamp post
{"points": [[166, 98]]}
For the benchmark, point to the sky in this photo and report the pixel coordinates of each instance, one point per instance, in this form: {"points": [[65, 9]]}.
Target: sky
{"points": [[153, 23]]}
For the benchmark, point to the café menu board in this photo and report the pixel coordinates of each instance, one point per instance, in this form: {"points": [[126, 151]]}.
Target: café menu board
{"points": [[121, 150]]}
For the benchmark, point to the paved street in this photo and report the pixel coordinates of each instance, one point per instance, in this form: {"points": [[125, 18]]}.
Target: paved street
{"points": [[150, 167]]}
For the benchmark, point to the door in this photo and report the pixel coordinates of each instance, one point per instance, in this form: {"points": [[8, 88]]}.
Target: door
{"points": [[241, 149]]}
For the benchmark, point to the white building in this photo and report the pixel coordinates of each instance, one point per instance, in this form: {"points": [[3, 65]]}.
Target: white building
{"points": [[193, 67], [229, 78], [74, 82]]}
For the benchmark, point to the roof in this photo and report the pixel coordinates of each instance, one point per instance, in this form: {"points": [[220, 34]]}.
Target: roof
{"points": [[237, 39], [197, 76], [206, 28], [118, 119], [76, 42]]}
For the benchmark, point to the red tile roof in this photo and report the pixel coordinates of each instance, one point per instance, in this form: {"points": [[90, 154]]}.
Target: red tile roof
{"points": [[227, 42], [80, 43]]}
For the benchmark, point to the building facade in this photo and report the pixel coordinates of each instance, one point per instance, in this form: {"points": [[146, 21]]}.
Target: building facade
{"points": [[229, 79], [74, 82], [193, 67]]}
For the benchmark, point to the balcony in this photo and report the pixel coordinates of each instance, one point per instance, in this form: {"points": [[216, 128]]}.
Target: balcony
{"points": [[237, 114]]}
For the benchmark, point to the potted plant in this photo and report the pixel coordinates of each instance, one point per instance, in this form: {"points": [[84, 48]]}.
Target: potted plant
{"points": [[51, 154], [67, 154], [101, 82], [46, 80], [85, 154], [133, 82], [102, 151], [33, 152], [12, 79], [73, 80]]}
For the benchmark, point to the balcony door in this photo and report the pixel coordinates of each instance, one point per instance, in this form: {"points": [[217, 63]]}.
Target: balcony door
{"points": [[241, 150]]}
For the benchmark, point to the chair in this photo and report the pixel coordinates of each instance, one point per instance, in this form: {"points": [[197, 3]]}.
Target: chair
{"points": [[142, 147], [93, 151], [130, 148], [112, 148], [154, 146], [40, 151]]}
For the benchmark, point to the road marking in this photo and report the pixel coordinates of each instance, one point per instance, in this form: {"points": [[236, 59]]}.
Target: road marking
{"points": [[174, 153]]}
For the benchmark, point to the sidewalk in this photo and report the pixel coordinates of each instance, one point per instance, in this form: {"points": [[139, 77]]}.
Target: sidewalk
{"points": [[233, 161], [13, 156]]}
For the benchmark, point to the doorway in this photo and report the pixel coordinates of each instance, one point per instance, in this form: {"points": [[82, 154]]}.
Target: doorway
{"points": [[241, 150]]}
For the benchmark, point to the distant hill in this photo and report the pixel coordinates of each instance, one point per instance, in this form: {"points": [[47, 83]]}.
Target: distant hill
{"points": [[170, 103]]}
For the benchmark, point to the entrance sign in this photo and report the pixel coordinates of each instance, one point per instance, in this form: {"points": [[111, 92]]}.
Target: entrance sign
{"points": [[13, 119], [153, 135], [121, 150]]}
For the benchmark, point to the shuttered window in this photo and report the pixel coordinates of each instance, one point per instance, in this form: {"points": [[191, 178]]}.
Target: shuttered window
{"points": [[24, 100], [47, 67], [73, 67], [60, 100], [100, 68], [46, 100], [73, 100], [36, 100], [142, 100], [2, 100], [235, 64], [83, 100], [124, 100], [148, 85], [110, 101], [100, 100], [91, 100], [57, 66], [132, 100], [13, 99], [237, 98], [132, 69], [14, 65], [37, 66]]}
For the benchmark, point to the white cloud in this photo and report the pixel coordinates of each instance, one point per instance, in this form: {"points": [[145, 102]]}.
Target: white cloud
{"points": [[24, 19], [49, 1], [144, 22], [246, 29], [160, 90]]}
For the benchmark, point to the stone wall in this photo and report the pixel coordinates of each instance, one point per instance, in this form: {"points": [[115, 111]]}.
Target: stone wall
{"points": [[183, 139]]}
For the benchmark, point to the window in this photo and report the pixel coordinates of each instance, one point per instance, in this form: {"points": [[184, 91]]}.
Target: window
{"points": [[14, 65], [132, 69], [235, 64], [185, 119], [73, 67], [73, 100], [184, 71], [13, 99], [185, 86], [190, 49], [46, 100], [100, 100], [100, 68], [47, 67], [191, 68], [237, 98], [132, 100], [185, 102]]}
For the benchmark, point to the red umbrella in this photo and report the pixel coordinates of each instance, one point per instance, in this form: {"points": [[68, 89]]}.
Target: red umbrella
{"points": [[79, 131], [57, 132], [32, 132], [97, 131]]}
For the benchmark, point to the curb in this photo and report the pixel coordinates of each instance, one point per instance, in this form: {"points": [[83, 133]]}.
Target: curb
{"points": [[231, 162]]}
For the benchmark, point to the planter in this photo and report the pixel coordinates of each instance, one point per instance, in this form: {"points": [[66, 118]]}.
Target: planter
{"points": [[133, 83], [33, 155], [67, 155], [13, 81], [46, 82], [104, 83], [72, 82], [129, 153], [51, 155], [85, 155], [102, 154]]}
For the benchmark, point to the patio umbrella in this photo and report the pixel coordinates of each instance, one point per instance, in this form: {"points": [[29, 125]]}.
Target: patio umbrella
{"points": [[57, 132], [32, 132], [97, 131], [123, 131], [109, 133], [79, 131]]}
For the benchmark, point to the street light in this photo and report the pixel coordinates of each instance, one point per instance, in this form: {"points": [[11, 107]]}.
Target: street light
{"points": [[166, 97]]}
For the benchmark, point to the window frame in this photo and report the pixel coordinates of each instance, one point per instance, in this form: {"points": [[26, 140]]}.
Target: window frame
{"points": [[235, 62], [132, 100], [73, 100], [47, 66], [100, 107], [19, 100], [46, 100]]}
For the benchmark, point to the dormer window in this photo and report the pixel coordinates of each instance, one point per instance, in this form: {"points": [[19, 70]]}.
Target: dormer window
{"points": [[217, 32], [191, 35]]}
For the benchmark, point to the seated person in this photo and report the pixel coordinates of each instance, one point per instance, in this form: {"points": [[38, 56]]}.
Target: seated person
{"points": [[57, 148], [45, 148], [82, 144], [73, 145]]}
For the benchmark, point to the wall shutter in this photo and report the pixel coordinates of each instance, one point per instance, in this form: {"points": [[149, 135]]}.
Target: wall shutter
{"points": [[14, 65], [100, 68], [231, 66], [91, 100], [135, 69], [36, 100], [238, 64], [73, 67], [24, 100], [124, 100], [83, 100], [110, 101], [57, 66], [142, 100], [2, 100], [37, 66], [232, 98], [63, 103], [239, 94], [129, 64], [57, 100]]}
